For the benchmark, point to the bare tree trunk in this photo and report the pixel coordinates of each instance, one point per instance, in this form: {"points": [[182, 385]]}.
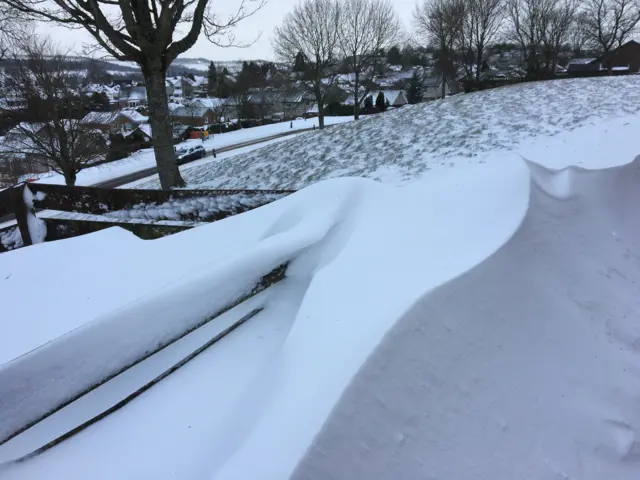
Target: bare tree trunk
{"points": [[479, 56], [356, 103], [444, 85], [162, 133], [70, 178], [320, 113]]}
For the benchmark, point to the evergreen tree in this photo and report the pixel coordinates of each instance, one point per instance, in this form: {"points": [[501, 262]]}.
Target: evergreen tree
{"points": [[380, 102], [99, 102], [223, 90], [368, 104], [299, 64], [394, 56], [212, 80], [414, 93]]}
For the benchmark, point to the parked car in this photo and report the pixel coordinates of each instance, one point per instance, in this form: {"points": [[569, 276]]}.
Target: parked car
{"points": [[188, 154]]}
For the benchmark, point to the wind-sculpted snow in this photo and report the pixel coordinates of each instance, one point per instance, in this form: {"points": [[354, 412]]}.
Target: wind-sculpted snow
{"points": [[524, 367]]}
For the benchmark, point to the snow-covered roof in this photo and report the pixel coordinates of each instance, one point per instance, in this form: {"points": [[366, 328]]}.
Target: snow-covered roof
{"points": [[620, 68], [99, 118], [190, 111], [208, 102], [105, 118], [581, 61], [30, 127]]}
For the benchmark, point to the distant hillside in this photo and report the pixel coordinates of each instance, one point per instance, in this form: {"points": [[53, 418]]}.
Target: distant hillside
{"points": [[195, 66]]}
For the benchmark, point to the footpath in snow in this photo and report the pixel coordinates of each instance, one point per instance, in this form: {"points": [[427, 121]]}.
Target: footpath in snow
{"points": [[478, 321]]}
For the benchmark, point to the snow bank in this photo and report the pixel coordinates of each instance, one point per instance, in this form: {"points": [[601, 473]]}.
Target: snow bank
{"points": [[524, 367], [360, 260], [36, 382]]}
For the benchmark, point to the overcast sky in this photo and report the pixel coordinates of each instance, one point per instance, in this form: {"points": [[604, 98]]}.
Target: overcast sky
{"points": [[264, 21]]}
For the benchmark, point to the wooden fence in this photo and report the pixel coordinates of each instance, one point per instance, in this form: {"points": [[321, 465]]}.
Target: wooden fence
{"points": [[148, 214]]}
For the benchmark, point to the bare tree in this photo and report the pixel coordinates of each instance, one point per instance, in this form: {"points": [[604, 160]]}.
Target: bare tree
{"points": [[540, 27], [556, 24], [48, 131], [367, 27], [312, 29], [440, 23], [610, 23], [525, 18], [143, 31], [12, 28], [482, 22], [578, 32]]}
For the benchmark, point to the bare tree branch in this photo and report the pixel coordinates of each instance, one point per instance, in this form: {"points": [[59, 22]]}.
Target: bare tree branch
{"points": [[312, 29], [609, 23], [441, 24], [46, 131], [366, 28]]}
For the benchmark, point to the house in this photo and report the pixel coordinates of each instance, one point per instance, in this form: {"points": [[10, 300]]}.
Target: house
{"points": [[195, 116], [143, 133], [125, 120], [220, 106], [193, 87], [264, 103], [133, 97], [297, 104], [432, 88], [623, 60]]}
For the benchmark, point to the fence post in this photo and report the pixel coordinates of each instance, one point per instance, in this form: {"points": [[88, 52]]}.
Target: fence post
{"points": [[20, 210]]}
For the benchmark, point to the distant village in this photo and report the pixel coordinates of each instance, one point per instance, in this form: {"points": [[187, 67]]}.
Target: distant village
{"points": [[214, 98]]}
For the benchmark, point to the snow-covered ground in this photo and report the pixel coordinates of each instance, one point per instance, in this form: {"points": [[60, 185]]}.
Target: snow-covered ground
{"points": [[146, 159], [401, 145], [479, 321]]}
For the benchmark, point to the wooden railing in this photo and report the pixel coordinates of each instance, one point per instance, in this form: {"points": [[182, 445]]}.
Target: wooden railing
{"points": [[148, 214]]}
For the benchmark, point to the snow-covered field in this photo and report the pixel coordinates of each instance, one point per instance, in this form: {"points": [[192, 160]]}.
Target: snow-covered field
{"points": [[402, 145], [478, 321], [146, 159]]}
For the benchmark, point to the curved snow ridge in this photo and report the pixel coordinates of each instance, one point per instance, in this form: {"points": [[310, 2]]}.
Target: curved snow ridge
{"points": [[524, 366], [398, 244], [44, 378]]}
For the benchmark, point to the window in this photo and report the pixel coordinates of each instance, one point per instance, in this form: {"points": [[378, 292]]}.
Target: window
{"points": [[206, 119]]}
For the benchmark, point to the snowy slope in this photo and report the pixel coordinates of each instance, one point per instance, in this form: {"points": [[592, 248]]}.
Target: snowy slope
{"points": [[401, 145], [480, 321]]}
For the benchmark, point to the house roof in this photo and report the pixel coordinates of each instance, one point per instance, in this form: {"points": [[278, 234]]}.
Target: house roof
{"points": [[581, 61], [30, 127], [208, 102], [190, 112], [432, 81], [105, 118], [99, 118]]}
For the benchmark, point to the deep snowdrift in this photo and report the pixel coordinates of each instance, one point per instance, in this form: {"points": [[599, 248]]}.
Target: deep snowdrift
{"points": [[359, 262], [527, 366]]}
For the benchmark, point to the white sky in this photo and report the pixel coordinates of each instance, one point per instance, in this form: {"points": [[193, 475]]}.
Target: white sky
{"points": [[264, 21]]}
